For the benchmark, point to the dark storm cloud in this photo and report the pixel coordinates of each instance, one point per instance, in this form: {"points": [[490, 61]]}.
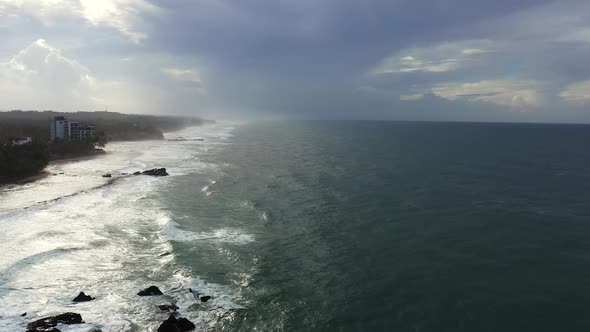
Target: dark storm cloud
{"points": [[287, 36], [292, 57]]}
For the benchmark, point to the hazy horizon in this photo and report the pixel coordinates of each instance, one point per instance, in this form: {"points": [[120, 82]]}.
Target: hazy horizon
{"points": [[402, 60]]}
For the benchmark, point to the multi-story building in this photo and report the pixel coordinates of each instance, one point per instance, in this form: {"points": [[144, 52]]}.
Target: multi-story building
{"points": [[61, 128], [58, 128], [86, 131]]}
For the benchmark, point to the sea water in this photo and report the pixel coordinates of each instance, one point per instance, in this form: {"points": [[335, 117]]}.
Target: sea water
{"points": [[302, 226]]}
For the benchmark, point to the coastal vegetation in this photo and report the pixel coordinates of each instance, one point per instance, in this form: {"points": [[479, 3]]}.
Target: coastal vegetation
{"points": [[60, 149], [18, 161]]}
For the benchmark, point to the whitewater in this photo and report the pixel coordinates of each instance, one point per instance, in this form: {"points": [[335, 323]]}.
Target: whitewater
{"points": [[76, 231]]}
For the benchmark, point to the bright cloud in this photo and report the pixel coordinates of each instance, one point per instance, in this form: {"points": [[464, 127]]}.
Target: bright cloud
{"points": [[513, 93], [122, 15], [413, 97], [41, 70], [576, 93], [439, 58], [190, 78], [188, 75], [41, 77]]}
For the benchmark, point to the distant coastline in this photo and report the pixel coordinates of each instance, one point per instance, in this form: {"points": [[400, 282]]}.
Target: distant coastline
{"points": [[26, 163]]}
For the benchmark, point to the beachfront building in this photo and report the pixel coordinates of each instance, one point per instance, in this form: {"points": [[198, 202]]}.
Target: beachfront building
{"points": [[86, 131], [61, 128], [58, 128]]}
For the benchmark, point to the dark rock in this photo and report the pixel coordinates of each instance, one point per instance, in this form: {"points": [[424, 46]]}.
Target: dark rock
{"points": [[176, 325], [24, 314], [155, 172], [83, 298], [185, 324], [169, 325], [137, 173], [108, 175], [49, 323], [152, 290], [205, 298], [168, 307], [69, 318]]}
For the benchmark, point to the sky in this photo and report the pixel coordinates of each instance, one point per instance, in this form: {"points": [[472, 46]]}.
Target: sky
{"points": [[449, 60]]}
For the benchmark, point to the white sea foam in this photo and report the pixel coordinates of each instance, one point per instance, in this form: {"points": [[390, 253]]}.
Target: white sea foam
{"points": [[70, 233], [221, 235]]}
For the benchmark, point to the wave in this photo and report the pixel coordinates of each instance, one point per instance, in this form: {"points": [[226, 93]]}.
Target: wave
{"points": [[221, 235]]}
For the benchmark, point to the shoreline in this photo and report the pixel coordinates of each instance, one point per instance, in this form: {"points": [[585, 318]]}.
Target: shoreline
{"points": [[69, 159], [18, 180], [24, 179]]}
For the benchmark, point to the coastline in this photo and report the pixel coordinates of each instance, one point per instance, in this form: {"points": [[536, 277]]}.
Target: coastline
{"points": [[73, 158], [96, 227], [24, 179], [18, 180]]}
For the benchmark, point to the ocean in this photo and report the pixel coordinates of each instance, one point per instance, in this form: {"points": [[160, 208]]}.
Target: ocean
{"points": [[311, 226]]}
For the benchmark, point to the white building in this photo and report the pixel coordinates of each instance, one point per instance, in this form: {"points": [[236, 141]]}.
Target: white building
{"points": [[58, 128], [61, 128]]}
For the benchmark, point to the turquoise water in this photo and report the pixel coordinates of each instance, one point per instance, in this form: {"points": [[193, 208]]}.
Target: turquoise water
{"points": [[360, 226]]}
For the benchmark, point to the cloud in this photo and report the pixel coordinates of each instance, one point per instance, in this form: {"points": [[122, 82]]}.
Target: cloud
{"points": [[189, 77], [512, 93], [42, 71], [368, 59], [578, 92], [40, 76], [439, 58], [123, 15], [413, 97]]}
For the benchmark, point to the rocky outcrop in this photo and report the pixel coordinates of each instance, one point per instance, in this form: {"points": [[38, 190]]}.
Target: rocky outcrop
{"points": [[150, 291], [108, 175], [172, 324], [49, 323], [205, 298], [83, 298], [155, 172]]}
